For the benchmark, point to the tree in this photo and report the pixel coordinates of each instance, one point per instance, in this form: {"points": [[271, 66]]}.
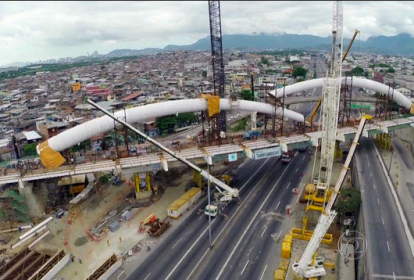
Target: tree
{"points": [[349, 200], [204, 73], [390, 70], [299, 72], [29, 150], [264, 60], [358, 71], [247, 94]]}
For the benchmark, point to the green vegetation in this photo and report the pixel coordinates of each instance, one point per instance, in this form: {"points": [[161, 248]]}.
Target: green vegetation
{"points": [[299, 72], [204, 73], [27, 71], [247, 94], [349, 201], [241, 125], [390, 70], [84, 145], [264, 60], [104, 178], [30, 150], [167, 124]]}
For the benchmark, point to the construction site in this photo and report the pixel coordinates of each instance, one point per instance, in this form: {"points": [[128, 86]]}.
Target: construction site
{"points": [[86, 226]]}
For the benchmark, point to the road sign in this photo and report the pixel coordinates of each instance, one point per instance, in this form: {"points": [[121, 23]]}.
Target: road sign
{"points": [[359, 106], [266, 153], [232, 157]]}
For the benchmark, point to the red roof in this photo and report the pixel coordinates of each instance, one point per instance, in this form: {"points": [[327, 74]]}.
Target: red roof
{"points": [[132, 96]]}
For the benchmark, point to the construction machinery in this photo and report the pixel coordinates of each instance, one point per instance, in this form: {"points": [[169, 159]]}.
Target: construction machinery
{"points": [[226, 193], [318, 104], [158, 228], [309, 266]]}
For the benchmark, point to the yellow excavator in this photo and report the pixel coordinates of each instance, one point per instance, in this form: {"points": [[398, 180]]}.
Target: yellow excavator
{"points": [[315, 110]]}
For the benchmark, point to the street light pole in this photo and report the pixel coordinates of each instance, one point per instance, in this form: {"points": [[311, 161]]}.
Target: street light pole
{"points": [[209, 205]]}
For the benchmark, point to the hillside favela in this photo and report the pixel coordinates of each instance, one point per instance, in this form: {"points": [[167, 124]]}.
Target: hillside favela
{"points": [[207, 140]]}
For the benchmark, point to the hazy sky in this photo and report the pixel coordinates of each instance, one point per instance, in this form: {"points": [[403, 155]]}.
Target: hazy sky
{"points": [[30, 31]]}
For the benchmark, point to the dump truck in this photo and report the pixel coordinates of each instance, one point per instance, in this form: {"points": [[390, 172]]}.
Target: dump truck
{"points": [[158, 228], [287, 157]]}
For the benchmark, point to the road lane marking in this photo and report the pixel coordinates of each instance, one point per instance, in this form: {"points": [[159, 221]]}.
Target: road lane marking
{"points": [[370, 174], [288, 186], [244, 267], [277, 206], [261, 277], [368, 163], [297, 169], [302, 159], [279, 235], [378, 201], [388, 245], [176, 243], [147, 276], [250, 224], [383, 221], [374, 187], [231, 218], [263, 232]]}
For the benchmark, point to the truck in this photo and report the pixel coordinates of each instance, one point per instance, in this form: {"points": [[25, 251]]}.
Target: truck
{"points": [[158, 228], [186, 201], [215, 208], [287, 157]]}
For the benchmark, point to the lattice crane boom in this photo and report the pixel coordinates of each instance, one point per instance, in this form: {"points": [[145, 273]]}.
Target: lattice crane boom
{"points": [[330, 109], [330, 104], [219, 121]]}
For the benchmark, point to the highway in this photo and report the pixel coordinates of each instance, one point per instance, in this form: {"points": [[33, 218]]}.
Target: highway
{"points": [[186, 244], [247, 248], [388, 253]]}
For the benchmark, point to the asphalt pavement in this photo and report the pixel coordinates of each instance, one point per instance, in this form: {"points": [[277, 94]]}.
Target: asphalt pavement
{"points": [[246, 244], [388, 252], [191, 235]]}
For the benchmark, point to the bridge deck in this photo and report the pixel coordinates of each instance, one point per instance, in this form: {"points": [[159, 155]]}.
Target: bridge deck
{"points": [[150, 160]]}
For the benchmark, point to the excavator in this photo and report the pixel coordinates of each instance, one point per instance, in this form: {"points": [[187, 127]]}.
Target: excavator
{"points": [[318, 104]]}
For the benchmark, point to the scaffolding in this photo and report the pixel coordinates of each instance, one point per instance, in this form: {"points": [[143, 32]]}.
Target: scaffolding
{"points": [[13, 208], [383, 103], [23, 265], [345, 100]]}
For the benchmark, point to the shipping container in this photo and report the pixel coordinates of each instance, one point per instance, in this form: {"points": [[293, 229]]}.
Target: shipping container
{"points": [[178, 207]]}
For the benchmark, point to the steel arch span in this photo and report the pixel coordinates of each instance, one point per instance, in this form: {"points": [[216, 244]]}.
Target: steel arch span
{"points": [[398, 97], [84, 131]]}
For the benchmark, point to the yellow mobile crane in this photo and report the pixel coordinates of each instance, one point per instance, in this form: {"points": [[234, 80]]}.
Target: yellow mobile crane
{"points": [[315, 110]]}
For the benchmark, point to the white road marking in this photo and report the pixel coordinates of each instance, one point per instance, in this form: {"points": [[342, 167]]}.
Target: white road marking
{"points": [[279, 235], [382, 221], [261, 277], [368, 163], [378, 201], [370, 174], [200, 217], [244, 267], [297, 169], [277, 206], [288, 186], [249, 225], [263, 231], [147, 276], [388, 245], [225, 226], [176, 243], [302, 159], [374, 186]]}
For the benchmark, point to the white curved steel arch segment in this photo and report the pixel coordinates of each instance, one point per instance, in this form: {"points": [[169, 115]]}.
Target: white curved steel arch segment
{"points": [[99, 125], [356, 82]]}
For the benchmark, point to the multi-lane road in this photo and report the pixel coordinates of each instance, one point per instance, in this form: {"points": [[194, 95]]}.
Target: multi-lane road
{"points": [[243, 242], [388, 251]]}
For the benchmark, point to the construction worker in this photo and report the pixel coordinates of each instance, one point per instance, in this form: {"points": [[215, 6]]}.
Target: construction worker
{"points": [[80, 260]]}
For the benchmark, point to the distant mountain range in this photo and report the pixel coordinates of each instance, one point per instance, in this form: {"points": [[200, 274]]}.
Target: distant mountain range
{"points": [[401, 44]]}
